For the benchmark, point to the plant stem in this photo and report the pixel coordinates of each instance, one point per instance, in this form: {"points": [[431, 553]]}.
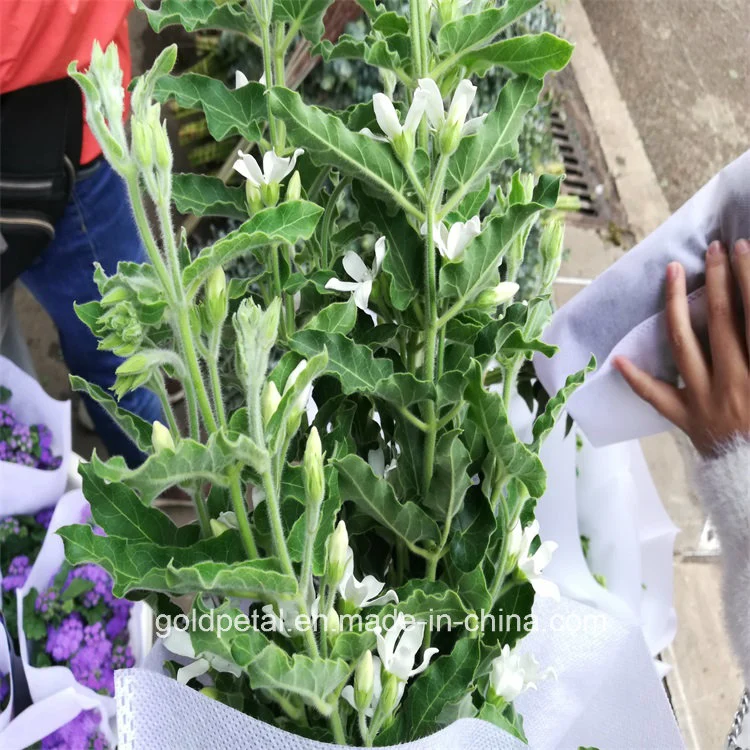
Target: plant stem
{"points": [[363, 728], [213, 371], [194, 369], [268, 67], [161, 392], [240, 511], [337, 727]]}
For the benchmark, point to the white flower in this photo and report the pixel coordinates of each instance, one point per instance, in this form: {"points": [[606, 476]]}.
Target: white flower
{"points": [[532, 566], [399, 646], [377, 688], [363, 276], [178, 642], [286, 621], [275, 168], [362, 593], [240, 79], [376, 459], [459, 108], [514, 673], [452, 242], [305, 400], [387, 117]]}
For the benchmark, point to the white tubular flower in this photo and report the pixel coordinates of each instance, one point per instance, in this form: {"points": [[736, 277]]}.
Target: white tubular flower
{"points": [[376, 459], [306, 400], [364, 593], [387, 117], [377, 688], [514, 673], [275, 168], [286, 622], [399, 646], [459, 107], [452, 242], [179, 643], [498, 295], [363, 276], [532, 566]]}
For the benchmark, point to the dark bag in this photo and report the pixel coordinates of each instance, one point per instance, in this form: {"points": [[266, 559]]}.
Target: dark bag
{"points": [[41, 129]]}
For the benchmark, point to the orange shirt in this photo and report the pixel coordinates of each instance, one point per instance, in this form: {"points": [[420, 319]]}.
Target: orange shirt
{"points": [[39, 38]]}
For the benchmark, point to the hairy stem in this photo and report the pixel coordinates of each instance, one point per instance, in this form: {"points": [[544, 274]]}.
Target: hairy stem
{"points": [[240, 512]]}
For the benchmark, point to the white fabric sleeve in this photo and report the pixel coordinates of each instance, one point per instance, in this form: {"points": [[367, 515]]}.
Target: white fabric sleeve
{"points": [[622, 312], [724, 485]]}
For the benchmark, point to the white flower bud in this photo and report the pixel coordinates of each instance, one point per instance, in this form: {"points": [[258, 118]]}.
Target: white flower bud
{"points": [[161, 437], [216, 297], [364, 681], [217, 527], [313, 469], [551, 247], [499, 295], [332, 624], [294, 187], [338, 551], [269, 401]]}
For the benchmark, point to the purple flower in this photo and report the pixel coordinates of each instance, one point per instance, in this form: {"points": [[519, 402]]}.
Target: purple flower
{"points": [[18, 572], [102, 584], [20, 439], [44, 516], [92, 665], [7, 416], [82, 733], [47, 602], [64, 641], [122, 657], [9, 527]]}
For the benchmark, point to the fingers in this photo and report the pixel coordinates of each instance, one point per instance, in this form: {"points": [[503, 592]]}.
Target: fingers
{"points": [[685, 346], [727, 347], [665, 398], [742, 274]]}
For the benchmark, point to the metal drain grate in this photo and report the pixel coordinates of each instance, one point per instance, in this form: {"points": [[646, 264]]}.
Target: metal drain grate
{"points": [[579, 178]]}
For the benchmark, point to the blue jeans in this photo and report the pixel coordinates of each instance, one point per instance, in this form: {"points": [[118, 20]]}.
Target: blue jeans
{"points": [[97, 226]]}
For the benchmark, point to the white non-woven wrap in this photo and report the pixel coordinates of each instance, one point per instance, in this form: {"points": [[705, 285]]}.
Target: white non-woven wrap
{"points": [[621, 312], [24, 489], [606, 695], [631, 538], [55, 688]]}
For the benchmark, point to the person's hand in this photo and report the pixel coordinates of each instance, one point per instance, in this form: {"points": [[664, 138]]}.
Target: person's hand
{"points": [[714, 405]]}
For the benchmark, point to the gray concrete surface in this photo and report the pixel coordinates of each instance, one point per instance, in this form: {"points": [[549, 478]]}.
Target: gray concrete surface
{"points": [[683, 68]]}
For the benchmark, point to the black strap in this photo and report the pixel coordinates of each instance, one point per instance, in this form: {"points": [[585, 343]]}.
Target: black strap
{"points": [[41, 129]]}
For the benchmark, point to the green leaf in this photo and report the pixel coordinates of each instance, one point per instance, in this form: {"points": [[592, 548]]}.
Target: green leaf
{"points": [[475, 30], [375, 497], [513, 612], [391, 23], [135, 427], [376, 52], [534, 55], [471, 532], [483, 255], [119, 511], [241, 111], [445, 682], [287, 223], [197, 14], [189, 462], [472, 588], [495, 716], [142, 566], [487, 411], [202, 195], [305, 15], [450, 480], [353, 364], [329, 142], [338, 317], [350, 646], [519, 327], [497, 139], [402, 389], [403, 261], [249, 579], [472, 203], [433, 602], [545, 422], [89, 313], [314, 680]]}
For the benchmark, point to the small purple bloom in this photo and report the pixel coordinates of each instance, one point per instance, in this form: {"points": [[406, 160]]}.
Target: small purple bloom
{"points": [[18, 572], [92, 665], [43, 517], [7, 416], [64, 641], [82, 733], [102, 584], [46, 602], [122, 657]]}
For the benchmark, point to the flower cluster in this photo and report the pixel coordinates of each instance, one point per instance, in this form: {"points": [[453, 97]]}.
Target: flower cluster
{"points": [[82, 733], [28, 445]]}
